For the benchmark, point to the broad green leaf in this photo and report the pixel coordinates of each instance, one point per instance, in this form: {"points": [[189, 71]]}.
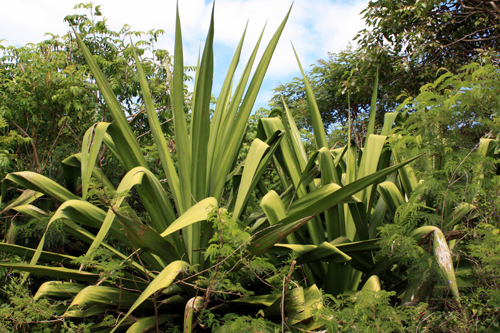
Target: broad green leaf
{"points": [[257, 151], [74, 161], [38, 183], [28, 253], [198, 212], [31, 210], [193, 305], [406, 176], [221, 108], [200, 122], [57, 272], [389, 119], [334, 217], [274, 209], [96, 296], [284, 155], [126, 230], [145, 237], [162, 281], [324, 252], [486, 148], [287, 159], [360, 218], [83, 234], [349, 247], [372, 284], [155, 199], [442, 254], [148, 324], [459, 212], [91, 145], [297, 143], [369, 163], [26, 197], [58, 290], [266, 300], [391, 195]]}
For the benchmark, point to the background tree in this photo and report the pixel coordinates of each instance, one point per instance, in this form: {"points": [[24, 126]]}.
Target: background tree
{"points": [[406, 43], [48, 98]]}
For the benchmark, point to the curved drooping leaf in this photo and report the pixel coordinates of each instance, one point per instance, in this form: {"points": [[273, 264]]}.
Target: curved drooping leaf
{"points": [[391, 195], [275, 211], [141, 235], [138, 176], [192, 306], [58, 290], [257, 151], [300, 304], [29, 253], [56, 272], [91, 145], [372, 284], [83, 234], [38, 183], [162, 281], [198, 212], [74, 162], [96, 296], [26, 197], [459, 212], [252, 176], [274, 234], [31, 210], [149, 323], [442, 254]]}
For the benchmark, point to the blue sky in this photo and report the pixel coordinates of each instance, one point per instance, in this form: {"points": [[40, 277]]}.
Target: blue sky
{"points": [[315, 27]]}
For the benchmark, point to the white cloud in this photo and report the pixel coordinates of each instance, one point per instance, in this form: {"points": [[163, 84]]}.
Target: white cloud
{"points": [[315, 27]]}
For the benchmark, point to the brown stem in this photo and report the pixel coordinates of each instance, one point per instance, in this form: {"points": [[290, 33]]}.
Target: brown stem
{"points": [[286, 281]]}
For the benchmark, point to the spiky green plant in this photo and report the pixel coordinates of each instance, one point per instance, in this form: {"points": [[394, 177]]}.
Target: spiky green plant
{"points": [[323, 217]]}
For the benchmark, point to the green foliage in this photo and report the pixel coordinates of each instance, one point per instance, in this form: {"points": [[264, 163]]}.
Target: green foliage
{"points": [[232, 323], [24, 314], [369, 311], [446, 121], [48, 97], [105, 263]]}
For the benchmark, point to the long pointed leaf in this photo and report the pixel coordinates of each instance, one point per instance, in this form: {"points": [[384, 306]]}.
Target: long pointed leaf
{"points": [[161, 142]]}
